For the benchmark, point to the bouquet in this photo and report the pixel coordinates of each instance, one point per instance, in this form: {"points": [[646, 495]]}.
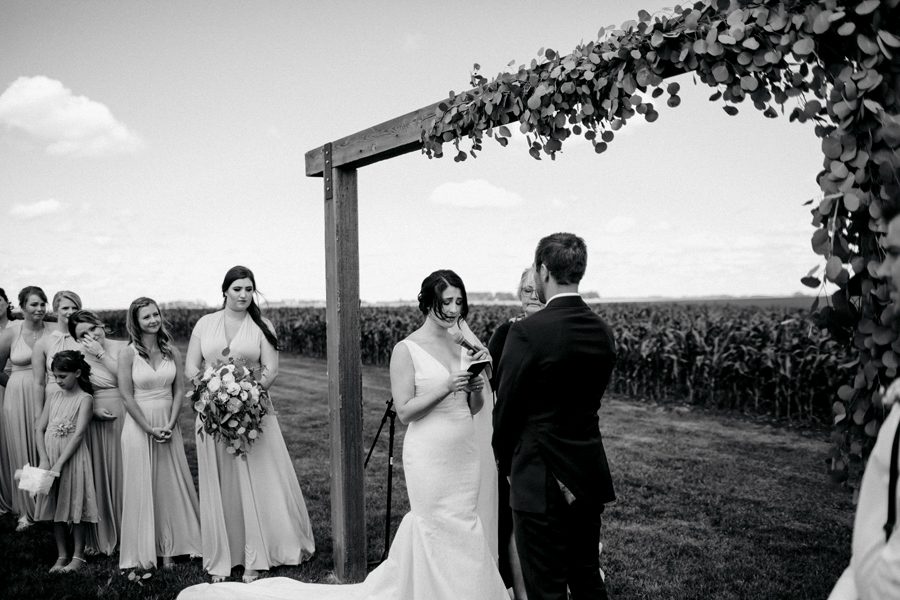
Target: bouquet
{"points": [[230, 404]]}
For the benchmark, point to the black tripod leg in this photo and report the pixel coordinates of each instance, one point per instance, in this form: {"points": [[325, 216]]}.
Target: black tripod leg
{"points": [[390, 478], [377, 435]]}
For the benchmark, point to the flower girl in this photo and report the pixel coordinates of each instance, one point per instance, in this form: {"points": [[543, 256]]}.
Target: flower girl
{"points": [[60, 435]]}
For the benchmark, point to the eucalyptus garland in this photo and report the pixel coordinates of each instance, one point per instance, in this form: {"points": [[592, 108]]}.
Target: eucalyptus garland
{"points": [[836, 64]]}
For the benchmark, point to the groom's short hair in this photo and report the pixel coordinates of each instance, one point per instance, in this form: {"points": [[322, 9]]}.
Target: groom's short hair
{"points": [[564, 255]]}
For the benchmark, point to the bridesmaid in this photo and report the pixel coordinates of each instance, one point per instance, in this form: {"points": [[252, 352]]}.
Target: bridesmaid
{"points": [[21, 405], [105, 432], [159, 502], [6, 480], [252, 511], [64, 304]]}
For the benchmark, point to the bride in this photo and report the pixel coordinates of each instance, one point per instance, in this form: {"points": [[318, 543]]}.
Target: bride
{"points": [[441, 550]]}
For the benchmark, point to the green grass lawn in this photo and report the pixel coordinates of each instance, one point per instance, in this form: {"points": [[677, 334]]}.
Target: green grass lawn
{"points": [[710, 506]]}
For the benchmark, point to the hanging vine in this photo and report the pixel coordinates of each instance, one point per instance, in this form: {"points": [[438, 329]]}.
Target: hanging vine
{"points": [[836, 64]]}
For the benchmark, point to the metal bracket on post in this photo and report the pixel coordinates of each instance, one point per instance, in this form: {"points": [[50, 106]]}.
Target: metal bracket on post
{"points": [[326, 172]]}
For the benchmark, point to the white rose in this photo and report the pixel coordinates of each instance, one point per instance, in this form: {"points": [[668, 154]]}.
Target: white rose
{"points": [[246, 385], [214, 384], [244, 395], [228, 378], [233, 388]]}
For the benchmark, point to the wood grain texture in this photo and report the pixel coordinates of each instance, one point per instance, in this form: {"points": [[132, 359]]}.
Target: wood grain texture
{"points": [[345, 377]]}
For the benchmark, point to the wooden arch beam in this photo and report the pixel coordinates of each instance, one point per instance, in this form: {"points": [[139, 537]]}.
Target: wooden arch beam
{"points": [[387, 140]]}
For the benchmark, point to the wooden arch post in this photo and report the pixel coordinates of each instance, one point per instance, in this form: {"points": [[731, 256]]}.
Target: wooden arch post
{"points": [[337, 164], [348, 517]]}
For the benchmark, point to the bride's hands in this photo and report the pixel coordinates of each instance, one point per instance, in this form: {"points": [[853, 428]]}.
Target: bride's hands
{"points": [[481, 354], [476, 384], [458, 381]]}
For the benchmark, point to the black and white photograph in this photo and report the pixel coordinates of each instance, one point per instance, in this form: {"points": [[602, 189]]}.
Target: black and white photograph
{"points": [[578, 300]]}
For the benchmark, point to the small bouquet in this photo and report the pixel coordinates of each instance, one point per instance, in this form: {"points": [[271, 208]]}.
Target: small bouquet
{"points": [[230, 404]]}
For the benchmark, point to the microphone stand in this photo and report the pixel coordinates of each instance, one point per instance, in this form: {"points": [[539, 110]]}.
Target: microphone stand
{"points": [[389, 413]]}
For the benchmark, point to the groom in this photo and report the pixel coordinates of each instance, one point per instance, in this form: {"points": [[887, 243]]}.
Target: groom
{"points": [[553, 371]]}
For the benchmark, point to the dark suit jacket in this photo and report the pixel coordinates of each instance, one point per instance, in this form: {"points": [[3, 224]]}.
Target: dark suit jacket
{"points": [[555, 366]]}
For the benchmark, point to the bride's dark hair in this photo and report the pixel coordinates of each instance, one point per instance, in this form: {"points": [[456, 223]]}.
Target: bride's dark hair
{"points": [[239, 272], [432, 288]]}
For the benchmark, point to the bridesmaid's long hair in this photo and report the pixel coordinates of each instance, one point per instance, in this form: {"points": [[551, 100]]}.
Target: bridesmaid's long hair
{"points": [[163, 339], [9, 314], [239, 272], [70, 361], [85, 316]]}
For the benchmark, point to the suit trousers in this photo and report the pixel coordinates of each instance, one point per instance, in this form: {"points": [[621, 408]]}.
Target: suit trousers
{"points": [[559, 548]]}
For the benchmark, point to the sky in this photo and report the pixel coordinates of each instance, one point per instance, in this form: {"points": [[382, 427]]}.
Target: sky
{"points": [[145, 148]]}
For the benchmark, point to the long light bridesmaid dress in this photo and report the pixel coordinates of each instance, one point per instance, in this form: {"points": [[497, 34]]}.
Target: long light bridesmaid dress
{"points": [[21, 408], [159, 503], [105, 443], [6, 480], [252, 511]]}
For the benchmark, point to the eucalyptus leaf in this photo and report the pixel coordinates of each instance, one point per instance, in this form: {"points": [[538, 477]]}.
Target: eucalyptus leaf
{"points": [[866, 44], [803, 46], [866, 6], [833, 268], [822, 22], [889, 38], [847, 28], [813, 282]]}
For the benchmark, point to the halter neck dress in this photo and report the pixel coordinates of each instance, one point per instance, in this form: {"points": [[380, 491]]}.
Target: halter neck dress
{"points": [[159, 503], [252, 511], [105, 442], [6, 480], [21, 409]]}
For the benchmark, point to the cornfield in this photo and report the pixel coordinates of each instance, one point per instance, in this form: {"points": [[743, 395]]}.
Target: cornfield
{"points": [[761, 361]]}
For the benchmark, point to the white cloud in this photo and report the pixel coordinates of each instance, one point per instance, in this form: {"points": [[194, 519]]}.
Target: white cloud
{"points": [[35, 209], [619, 225], [71, 125], [413, 41], [556, 202], [474, 193]]}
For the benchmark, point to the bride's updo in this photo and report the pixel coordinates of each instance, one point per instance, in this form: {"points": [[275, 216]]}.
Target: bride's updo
{"points": [[432, 288], [239, 272]]}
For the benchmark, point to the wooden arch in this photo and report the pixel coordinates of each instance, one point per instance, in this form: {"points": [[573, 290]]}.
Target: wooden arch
{"points": [[845, 53]]}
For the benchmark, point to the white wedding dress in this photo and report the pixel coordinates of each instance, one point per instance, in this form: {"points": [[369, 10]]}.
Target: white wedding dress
{"points": [[441, 550]]}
